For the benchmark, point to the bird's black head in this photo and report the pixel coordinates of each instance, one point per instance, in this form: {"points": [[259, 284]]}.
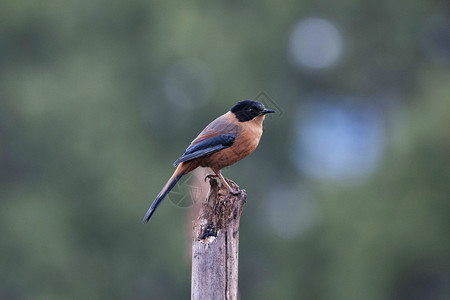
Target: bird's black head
{"points": [[249, 109]]}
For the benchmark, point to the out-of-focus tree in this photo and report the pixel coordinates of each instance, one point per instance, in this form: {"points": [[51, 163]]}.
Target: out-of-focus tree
{"points": [[98, 98]]}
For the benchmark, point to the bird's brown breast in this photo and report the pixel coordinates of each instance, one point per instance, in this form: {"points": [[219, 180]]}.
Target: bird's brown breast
{"points": [[249, 134]]}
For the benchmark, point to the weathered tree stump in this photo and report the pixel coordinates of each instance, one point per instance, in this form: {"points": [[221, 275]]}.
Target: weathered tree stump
{"points": [[215, 244]]}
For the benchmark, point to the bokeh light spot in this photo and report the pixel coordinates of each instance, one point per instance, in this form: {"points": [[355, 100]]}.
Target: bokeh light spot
{"points": [[316, 43], [339, 140]]}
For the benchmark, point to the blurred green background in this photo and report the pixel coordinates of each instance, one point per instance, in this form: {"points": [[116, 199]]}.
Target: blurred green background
{"points": [[349, 190]]}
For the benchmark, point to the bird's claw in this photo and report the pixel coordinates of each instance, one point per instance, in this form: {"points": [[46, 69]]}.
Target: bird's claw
{"points": [[211, 176], [230, 189]]}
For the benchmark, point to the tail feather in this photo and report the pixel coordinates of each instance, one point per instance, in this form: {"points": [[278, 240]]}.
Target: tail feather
{"points": [[166, 189]]}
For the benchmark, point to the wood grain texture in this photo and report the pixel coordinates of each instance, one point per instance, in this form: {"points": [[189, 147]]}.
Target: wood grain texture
{"points": [[215, 244]]}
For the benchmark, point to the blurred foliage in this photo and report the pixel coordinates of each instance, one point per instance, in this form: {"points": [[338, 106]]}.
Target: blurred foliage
{"points": [[87, 138]]}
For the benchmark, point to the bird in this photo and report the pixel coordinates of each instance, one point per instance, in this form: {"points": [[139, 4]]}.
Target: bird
{"points": [[225, 141]]}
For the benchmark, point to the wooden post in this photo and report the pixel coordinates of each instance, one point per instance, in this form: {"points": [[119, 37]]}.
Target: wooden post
{"points": [[215, 244]]}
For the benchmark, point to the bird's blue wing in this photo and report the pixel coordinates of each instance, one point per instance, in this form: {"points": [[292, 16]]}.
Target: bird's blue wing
{"points": [[205, 146]]}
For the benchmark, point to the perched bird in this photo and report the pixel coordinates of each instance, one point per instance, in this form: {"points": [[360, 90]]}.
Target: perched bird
{"points": [[225, 141]]}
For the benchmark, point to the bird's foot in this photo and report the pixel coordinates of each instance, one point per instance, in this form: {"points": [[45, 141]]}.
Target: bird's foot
{"points": [[229, 188], [211, 176], [224, 181]]}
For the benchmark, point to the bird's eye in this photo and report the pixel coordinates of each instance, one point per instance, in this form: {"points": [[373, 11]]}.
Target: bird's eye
{"points": [[251, 110]]}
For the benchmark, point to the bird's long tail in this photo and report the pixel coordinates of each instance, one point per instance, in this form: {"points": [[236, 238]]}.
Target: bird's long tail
{"points": [[179, 172]]}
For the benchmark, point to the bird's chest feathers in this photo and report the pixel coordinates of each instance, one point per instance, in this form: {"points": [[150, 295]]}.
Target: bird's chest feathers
{"points": [[250, 134]]}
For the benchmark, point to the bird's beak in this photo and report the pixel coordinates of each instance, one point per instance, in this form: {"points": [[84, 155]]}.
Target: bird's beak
{"points": [[267, 111]]}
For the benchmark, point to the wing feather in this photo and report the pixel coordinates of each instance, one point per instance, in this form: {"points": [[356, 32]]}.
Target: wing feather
{"points": [[205, 145]]}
